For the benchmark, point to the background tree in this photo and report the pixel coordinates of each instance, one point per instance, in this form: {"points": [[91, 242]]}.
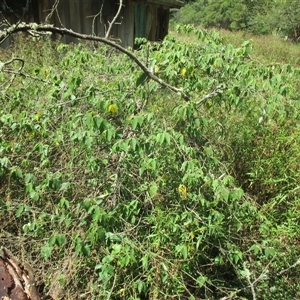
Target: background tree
{"points": [[286, 18], [259, 17]]}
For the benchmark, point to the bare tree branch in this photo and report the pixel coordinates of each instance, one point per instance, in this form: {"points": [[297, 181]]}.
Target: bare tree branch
{"points": [[53, 9], [114, 19], [24, 27], [99, 14], [2, 65], [3, 68], [5, 21], [290, 267], [216, 92]]}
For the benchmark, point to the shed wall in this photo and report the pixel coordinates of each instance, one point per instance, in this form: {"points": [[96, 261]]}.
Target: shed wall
{"points": [[138, 18], [91, 17]]}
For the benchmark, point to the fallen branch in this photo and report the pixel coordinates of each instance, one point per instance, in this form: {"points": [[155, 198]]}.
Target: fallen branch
{"points": [[4, 67], [4, 64], [24, 27]]}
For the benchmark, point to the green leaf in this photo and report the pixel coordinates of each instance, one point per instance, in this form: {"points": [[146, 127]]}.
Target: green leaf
{"points": [[110, 133], [269, 252], [64, 186], [236, 194], [141, 79], [133, 143], [160, 138], [153, 189], [182, 249], [184, 252], [60, 239], [86, 250], [17, 172], [223, 193], [215, 184], [113, 237], [124, 261], [28, 177], [237, 256], [107, 259], [151, 164], [46, 251], [52, 240], [20, 211], [116, 249], [145, 261], [245, 43], [256, 249], [201, 280], [141, 286], [137, 120]]}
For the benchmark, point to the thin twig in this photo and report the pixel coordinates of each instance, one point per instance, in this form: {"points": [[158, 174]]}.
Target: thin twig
{"points": [[53, 9], [290, 267], [211, 95], [251, 284], [95, 17], [113, 286], [114, 19], [260, 277], [2, 65], [15, 73], [19, 71]]}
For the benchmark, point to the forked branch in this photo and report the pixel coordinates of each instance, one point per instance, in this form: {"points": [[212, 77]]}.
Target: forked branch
{"points": [[114, 19]]}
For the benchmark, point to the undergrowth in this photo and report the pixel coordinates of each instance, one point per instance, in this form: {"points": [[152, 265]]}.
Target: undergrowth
{"points": [[113, 187], [265, 48]]}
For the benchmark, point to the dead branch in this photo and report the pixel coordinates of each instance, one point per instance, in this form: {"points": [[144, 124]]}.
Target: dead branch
{"points": [[24, 27], [53, 9], [114, 19], [3, 65], [290, 267], [17, 278], [3, 68], [99, 14], [216, 92]]}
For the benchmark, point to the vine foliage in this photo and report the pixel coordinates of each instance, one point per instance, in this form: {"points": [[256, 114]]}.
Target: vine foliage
{"points": [[119, 189]]}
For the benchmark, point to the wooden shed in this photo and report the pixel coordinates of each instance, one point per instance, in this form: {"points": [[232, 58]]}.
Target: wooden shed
{"points": [[138, 18]]}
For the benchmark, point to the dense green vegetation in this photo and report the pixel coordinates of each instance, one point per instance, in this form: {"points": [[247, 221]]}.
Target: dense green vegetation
{"points": [[113, 187], [259, 16]]}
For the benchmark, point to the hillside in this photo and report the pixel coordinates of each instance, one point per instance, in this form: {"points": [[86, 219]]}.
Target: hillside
{"points": [[114, 187]]}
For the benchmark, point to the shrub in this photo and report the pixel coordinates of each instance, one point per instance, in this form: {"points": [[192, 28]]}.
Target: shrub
{"points": [[131, 192]]}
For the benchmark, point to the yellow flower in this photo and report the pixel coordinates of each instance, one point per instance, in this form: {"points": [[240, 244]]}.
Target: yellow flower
{"points": [[192, 235], [183, 72], [182, 190], [38, 115], [112, 108], [46, 74]]}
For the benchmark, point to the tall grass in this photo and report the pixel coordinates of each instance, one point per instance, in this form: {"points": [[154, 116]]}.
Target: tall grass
{"points": [[265, 48]]}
